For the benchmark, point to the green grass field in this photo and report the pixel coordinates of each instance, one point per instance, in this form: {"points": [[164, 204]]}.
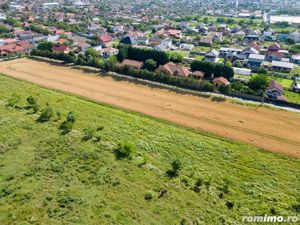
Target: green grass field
{"points": [[292, 96], [47, 177]]}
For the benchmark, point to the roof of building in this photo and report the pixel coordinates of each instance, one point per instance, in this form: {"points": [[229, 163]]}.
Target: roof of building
{"points": [[175, 69], [198, 74], [275, 45], [275, 85], [276, 54], [105, 38], [256, 56], [59, 48], [221, 79], [282, 64], [128, 40], [133, 63], [11, 48]]}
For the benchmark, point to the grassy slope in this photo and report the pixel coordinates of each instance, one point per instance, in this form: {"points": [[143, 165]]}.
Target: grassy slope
{"points": [[48, 178]]}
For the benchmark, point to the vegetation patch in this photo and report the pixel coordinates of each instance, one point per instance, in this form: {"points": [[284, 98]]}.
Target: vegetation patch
{"points": [[84, 176]]}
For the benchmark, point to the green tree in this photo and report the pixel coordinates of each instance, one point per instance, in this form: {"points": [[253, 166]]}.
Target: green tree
{"points": [[150, 64], [258, 82], [237, 86], [176, 57], [176, 166], [225, 89], [91, 52], [46, 115], [124, 150], [3, 30], [45, 46], [68, 124], [32, 104]]}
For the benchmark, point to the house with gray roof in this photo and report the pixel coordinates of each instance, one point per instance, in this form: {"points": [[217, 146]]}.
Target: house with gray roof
{"points": [[284, 67]]}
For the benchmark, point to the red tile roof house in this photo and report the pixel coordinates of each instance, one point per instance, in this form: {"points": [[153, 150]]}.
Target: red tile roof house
{"points": [[61, 48], [105, 40], [275, 90], [26, 45], [19, 47], [219, 81], [173, 69], [274, 47], [132, 63], [274, 55], [175, 33]]}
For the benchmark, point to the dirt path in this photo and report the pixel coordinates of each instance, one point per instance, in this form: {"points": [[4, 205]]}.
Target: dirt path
{"points": [[272, 130]]}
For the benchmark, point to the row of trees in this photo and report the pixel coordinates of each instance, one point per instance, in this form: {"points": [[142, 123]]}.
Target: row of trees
{"points": [[213, 69], [182, 82], [87, 59], [142, 54]]}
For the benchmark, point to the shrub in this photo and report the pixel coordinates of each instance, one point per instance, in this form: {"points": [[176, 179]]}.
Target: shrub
{"points": [[88, 134], [148, 196], [91, 133], [124, 150], [210, 68], [225, 89], [150, 64], [176, 167], [46, 115], [14, 100], [68, 124], [32, 104], [258, 82]]}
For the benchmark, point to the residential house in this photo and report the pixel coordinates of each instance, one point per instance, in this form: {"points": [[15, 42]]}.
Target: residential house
{"points": [[187, 47], [129, 41], [249, 50], [274, 47], [212, 56], [26, 46], [274, 90], [82, 46], [197, 75], [118, 30], [155, 41], [8, 49], [206, 41], [251, 37], [173, 69], [295, 59], [53, 38], [61, 49], [16, 48], [109, 51], [255, 61], [274, 55], [284, 67], [142, 40], [268, 36], [216, 36], [164, 45], [132, 63], [105, 40], [241, 71], [202, 29], [174, 33], [135, 34], [219, 81]]}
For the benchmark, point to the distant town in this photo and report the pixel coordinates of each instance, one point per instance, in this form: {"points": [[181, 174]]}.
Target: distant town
{"points": [[243, 48]]}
